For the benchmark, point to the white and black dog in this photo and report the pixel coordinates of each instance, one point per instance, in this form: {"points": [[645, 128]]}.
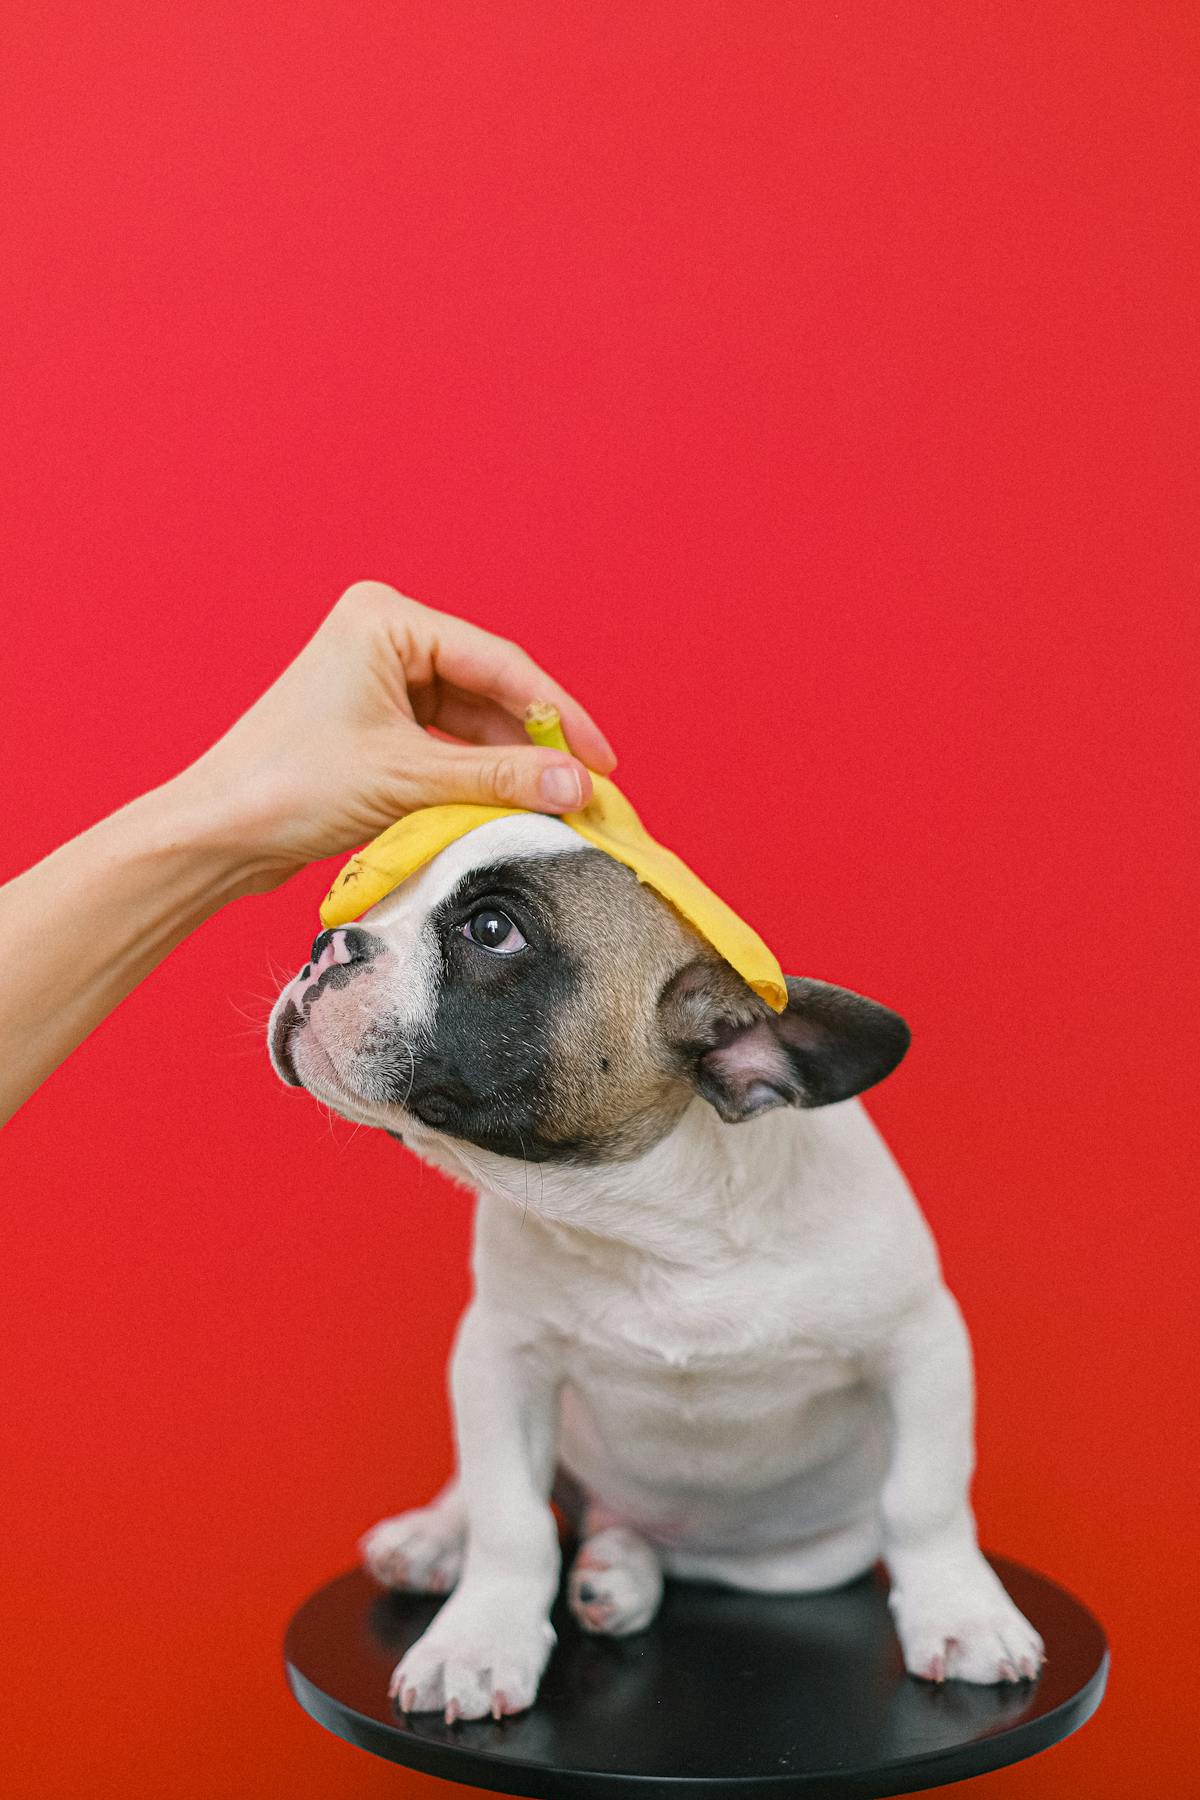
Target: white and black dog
{"points": [[731, 1341]]}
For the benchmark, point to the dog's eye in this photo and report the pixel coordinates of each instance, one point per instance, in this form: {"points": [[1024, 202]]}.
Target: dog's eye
{"points": [[493, 930]]}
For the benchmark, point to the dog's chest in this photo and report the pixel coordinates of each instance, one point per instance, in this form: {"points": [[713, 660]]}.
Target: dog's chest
{"points": [[698, 1340], [701, 1381]]}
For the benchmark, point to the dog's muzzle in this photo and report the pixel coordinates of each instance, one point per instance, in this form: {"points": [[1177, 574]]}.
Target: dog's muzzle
{"points": [[337, 956]]}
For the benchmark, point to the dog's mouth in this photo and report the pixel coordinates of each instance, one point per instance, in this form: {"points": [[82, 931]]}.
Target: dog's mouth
{"points": [[287, 1022], [291, 1027], [296, 1045]]}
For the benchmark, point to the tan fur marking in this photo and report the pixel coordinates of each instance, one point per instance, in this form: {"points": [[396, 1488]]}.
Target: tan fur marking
{"points": [[614, 1086]]}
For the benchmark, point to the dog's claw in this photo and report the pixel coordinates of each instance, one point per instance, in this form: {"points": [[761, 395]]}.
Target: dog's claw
{"points": [[453, 1712], [499, 1703]]}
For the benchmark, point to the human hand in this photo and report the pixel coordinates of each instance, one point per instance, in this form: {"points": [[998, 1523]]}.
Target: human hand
{"points": [[336, 750]]}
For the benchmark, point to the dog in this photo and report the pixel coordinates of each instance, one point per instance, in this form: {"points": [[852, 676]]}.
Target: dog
{"points": [[707, 1310]]}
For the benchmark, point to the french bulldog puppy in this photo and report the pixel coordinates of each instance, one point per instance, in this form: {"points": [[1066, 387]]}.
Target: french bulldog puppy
{"points": [[705, 1300]]}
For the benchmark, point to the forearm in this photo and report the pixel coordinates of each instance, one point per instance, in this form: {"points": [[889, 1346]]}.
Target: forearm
{"points": [[84, 926]]}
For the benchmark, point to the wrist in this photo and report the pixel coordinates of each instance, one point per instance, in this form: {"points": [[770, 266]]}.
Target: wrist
{"points": [[195, 820]]}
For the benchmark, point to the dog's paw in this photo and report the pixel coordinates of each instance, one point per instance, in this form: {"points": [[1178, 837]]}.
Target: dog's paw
{"points": [[475, 1661], [616, 1583], [418, 1552], [965, 1630]]}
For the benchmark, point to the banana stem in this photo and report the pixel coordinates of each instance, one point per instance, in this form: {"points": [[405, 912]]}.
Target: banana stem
{"points": [[544, 727]]}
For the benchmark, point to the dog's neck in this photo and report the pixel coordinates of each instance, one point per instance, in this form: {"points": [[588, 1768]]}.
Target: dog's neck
{"points": [[703, 1192]]}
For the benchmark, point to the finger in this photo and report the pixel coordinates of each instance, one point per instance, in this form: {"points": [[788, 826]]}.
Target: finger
{"points": [[499, 775], [475, 661], [474, 720]]}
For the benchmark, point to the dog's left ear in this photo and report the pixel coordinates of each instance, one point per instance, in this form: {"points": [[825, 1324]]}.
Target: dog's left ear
{"points": [[744, 1058]]}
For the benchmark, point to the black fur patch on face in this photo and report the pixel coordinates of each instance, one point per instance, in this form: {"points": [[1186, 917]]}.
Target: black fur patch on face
{"points": [[482, 1069]]}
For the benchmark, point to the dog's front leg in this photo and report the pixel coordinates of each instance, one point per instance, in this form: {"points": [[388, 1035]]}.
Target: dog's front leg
{"points": [[487, 1647], [952, 1615]]}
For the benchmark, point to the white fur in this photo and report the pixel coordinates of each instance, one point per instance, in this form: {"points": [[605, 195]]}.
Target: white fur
{"points": [[739, 1342]]}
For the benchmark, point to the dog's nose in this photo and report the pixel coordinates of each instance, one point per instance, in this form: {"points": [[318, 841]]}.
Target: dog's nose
{"points": [[344, 944]]}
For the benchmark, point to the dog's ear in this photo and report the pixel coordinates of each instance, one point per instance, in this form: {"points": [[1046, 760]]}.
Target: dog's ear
{"points": [[744, 1058]]}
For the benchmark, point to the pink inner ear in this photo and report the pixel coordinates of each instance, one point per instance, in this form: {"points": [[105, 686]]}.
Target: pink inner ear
{"points": [[753, 1067]]}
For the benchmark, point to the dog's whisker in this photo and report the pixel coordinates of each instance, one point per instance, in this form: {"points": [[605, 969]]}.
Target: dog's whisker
{"points": [[525, 1166], [276, 975], [258, 1020]]}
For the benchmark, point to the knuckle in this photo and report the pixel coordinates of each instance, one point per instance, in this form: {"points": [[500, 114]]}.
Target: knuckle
{"points": [[368, 596], [506, 780]]}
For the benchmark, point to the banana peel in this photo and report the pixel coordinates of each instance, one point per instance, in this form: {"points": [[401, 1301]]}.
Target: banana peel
{"points": [[608, 822]]}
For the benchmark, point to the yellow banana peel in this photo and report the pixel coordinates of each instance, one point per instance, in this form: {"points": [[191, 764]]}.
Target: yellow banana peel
{"points": [[608, 822]]}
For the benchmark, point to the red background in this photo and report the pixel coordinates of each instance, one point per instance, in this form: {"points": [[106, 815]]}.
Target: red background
{"points": [[808, 387]]}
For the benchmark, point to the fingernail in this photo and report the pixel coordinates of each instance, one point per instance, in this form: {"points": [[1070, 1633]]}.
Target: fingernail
{"points": [[561, 786]]}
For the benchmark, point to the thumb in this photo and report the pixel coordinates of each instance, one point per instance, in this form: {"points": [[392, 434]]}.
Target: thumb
{"points": [[547, 781]]}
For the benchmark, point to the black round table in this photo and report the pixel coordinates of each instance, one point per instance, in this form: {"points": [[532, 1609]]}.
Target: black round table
{"points": [[726, 1694]]}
